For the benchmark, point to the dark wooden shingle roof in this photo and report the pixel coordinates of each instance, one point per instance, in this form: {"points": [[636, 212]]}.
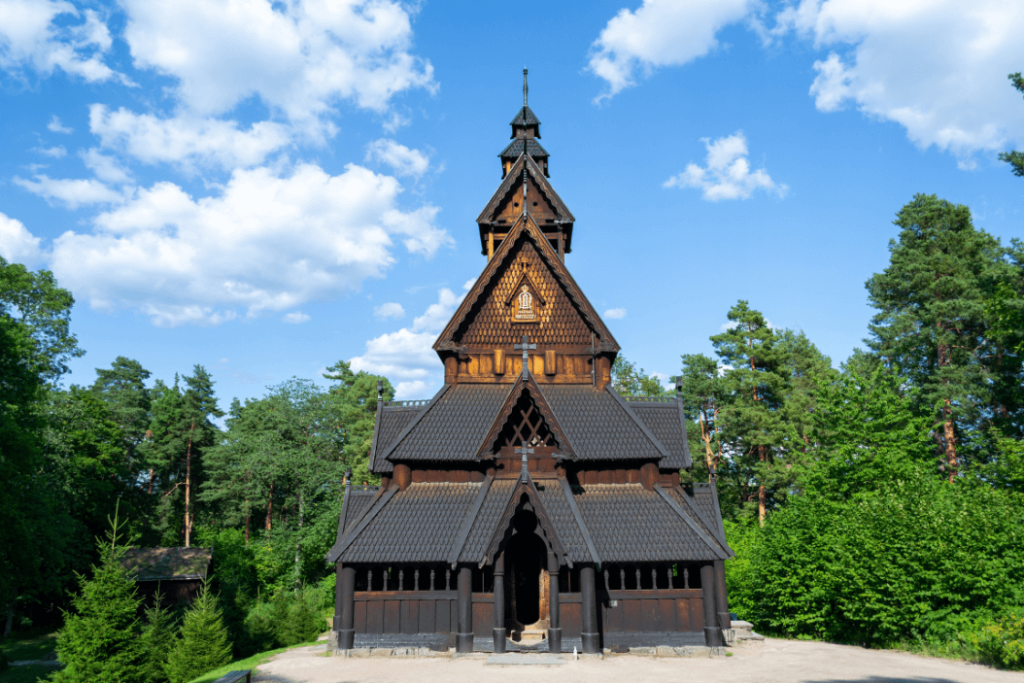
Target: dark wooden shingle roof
{"points": [[167, 564], [517, 146], [665, 418]]}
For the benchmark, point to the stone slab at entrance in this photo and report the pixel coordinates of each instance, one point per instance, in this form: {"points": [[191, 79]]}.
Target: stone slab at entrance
{"points": [[516, 658]]}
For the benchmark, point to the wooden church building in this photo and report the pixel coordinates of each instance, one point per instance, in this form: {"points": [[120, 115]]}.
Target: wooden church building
{"points": [[527, 505]]}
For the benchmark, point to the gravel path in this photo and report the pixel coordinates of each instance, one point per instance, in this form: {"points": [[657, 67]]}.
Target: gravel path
{"points": [[774, 661]]}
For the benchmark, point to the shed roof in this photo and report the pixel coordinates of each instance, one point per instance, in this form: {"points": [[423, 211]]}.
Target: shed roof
{"points": [[167, 564]]}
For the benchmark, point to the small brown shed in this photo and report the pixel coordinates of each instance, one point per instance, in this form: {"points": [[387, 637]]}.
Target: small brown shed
{"points": [[177, 572]]}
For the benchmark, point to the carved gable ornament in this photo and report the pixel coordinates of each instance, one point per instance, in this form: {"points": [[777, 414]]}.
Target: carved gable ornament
{"points": [[525, 301]]}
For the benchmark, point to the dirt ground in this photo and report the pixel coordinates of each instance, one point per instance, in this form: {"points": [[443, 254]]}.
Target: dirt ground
{"points": [[774, 661]]}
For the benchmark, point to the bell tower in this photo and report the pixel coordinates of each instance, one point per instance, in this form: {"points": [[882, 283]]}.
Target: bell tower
{"points": [[525, 189]]}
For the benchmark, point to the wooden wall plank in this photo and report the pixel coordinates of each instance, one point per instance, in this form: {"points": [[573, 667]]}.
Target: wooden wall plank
{"points": [[392, 616], [360, 616], [683, 614], [651, 616], [375, 616], [426, 617], [667, 618], [570, 614], [483, 619], [696, 614], [442, 614]]}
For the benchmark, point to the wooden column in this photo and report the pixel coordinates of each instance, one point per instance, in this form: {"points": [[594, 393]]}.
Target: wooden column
{"points": [[499, 603], [554, 620], [344, 607], [712, 632], [721, 599], [403, 476], [590, 635], [464, 635], [490, 245]]}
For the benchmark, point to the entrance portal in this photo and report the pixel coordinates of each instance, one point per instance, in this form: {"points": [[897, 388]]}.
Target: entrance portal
{"points": [[526, 577]]}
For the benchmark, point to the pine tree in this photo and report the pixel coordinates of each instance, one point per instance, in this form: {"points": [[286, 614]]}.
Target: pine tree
{"points": [[99, 641], [202, 644], [753, 417], [931, 321], [355, 398], [157, 640], [703, 389]]}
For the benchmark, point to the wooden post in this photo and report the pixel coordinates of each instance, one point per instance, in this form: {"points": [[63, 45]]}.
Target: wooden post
{"points": [[464, 635], [721, 600], [554, 620], [403, 476], [712, 633], [344, 607], [490, 242], [591, 637], [648, 475], [499, 361], [499, 604]]}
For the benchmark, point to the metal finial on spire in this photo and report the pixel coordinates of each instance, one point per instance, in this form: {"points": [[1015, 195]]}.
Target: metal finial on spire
{"points": [[526, 88]]}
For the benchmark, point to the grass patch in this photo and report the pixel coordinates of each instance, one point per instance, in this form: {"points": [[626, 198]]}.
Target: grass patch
{"points": [[242, 664], [34, 644], [26, 674]]}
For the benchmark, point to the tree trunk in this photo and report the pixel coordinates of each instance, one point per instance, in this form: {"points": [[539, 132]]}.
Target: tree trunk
{"points": [[188, 487], [950, 438], [298, 543], [270, 506], [760, 491], [150, 481], [9, 622], [705, 435]]}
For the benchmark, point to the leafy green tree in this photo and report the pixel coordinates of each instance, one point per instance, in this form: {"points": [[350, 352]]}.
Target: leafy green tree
{"points": [[629, 380], [35, 345], [931, 321], [202, 644], [123, 389], [157, 640], [806, 369], [100, 637], [1015, 158], [354, 397], [753, 416]]}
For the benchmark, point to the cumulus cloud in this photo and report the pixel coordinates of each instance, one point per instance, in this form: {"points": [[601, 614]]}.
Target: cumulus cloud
{"points": [[615, 313], [72, 193], [297, 57], [410, 390], [404, 161], [55, 126], [296, 318], [728, 174], [406, 356], [105, 167], [55, 152], [44, 35], [660, 33], [267, 242], [389, 310], [185, 139], [936, 67], [17, 244]]}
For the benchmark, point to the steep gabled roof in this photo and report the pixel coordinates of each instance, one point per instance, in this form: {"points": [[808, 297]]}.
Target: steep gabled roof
{"points": [[530, 146], [511, 183], [666, 420], [525, 229], [525, 117], [505, 414]]}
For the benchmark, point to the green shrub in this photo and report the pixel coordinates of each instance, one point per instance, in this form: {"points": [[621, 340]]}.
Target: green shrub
{"points": [[1000, 641], [157, 641], [202, 643], [303, 622]]}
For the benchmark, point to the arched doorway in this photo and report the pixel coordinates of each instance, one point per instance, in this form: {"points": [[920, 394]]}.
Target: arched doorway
{"points": [[526, 579]]}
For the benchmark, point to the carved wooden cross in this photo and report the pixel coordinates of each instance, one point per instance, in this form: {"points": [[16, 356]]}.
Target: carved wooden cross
{"points": [[524, 450], [526, 346]]}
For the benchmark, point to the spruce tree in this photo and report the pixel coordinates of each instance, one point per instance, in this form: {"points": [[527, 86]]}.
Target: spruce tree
{"points": [[100, 638], [157, 640], [202, 644]]}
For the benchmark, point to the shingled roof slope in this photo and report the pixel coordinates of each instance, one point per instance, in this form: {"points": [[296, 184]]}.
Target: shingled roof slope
{"points": [[665, 419], [452, 426], [516, 147], [598, 425], [525, 117], [554, 501], [487, 520], [390, 423], [418, 524], [357, 502], [167, 564], [709, 525], [628, 523]]}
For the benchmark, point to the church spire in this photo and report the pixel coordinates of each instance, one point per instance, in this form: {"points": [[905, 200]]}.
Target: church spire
{"points": [[525, 133], [526, 90]]}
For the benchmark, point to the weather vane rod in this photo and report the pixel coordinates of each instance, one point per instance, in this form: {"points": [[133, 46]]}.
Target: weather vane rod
{"points": [[526, 88]]}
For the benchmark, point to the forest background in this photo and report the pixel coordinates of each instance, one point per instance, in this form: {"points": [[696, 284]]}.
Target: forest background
{"points": [[879, 502]]}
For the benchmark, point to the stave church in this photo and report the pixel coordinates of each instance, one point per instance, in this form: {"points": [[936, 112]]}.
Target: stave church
{"points": [[527, 505]]}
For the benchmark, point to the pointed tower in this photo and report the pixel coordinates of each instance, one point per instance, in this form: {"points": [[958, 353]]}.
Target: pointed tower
{"points": [[527, 505]]}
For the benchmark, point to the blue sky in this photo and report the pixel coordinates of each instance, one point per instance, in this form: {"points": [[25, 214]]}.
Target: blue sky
{"points": [[266, 188]]}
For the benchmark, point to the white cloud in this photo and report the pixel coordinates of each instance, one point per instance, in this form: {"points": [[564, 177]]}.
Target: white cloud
{"points": [[298, 57], [389, 310], [17, 244], [105, 167], [186, 140], [267, 243], [728, 174], [45, 35], [407, 355], [404, 161], [70, 192], [660, 33], [296, 318], [55, 152], [55, 126], [615, 313], [936, 67], [410, 390], [469, 284]]}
